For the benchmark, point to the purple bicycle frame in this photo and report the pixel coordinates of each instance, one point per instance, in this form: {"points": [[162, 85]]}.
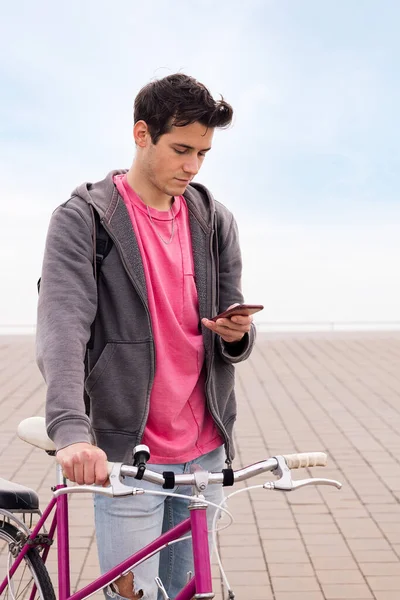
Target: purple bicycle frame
{"points": [[197, 523]]}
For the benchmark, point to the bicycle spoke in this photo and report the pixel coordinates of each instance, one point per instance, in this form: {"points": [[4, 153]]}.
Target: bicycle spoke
{"points": [[30, 580]]}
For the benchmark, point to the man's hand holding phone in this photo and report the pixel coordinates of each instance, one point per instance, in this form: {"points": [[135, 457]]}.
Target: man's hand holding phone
{"points": [[233, 323]]}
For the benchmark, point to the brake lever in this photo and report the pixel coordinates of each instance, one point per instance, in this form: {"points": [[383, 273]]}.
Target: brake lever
{"points": [[287, 484], [298, 483], [116, 487]]}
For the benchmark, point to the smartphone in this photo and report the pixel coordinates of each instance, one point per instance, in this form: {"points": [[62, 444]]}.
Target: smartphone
{"points": [[240, 309]]}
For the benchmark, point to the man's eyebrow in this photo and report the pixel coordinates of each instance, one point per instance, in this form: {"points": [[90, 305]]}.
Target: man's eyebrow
{"points": [[190, 147]]}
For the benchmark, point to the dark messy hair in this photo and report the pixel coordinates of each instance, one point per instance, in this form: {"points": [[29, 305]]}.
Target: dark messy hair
{"points": [[179, 100]]}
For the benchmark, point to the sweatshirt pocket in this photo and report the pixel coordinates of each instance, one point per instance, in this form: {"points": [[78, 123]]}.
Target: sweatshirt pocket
{"points": [[119, 386], [100, 366]]}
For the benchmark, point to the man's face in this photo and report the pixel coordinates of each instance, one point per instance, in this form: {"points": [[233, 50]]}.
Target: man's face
{"points": [[176, 158]]}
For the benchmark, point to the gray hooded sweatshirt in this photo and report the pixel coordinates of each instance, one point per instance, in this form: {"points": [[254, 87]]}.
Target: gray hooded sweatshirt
{"points": [[120, 367]]}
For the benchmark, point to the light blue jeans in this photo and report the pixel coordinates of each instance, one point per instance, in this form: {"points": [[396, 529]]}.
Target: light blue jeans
{"points": [[125, 525]]}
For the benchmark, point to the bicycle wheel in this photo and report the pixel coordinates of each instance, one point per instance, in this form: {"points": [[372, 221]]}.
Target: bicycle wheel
{"points": [[30, 572]]}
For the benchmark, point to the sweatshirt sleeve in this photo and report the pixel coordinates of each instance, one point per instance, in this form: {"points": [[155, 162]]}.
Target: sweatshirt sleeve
{"points": [[230, 288], [67, 307]]}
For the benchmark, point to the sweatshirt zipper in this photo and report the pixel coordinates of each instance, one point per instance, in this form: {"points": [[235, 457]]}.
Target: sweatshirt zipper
{"points": [[209, 399]]}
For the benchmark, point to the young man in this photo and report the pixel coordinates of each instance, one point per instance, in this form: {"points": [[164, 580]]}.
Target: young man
{"points": [[158, 372]]}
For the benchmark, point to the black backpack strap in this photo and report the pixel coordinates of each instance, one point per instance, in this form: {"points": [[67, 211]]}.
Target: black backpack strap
{"points": [[101, 243], [101, 247]]}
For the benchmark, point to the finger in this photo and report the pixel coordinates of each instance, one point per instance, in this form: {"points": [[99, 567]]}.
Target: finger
{"points": [[242, 319], [100, 468], [67, 468], [228, 324], [87, 458], [215, 326], [88, 470], [78, 470], [230, 333], [209, 324], [232, 338]]}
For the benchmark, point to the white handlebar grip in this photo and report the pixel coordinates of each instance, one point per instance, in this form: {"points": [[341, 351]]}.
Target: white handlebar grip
{"points": [[109, 467], [306, 459]]}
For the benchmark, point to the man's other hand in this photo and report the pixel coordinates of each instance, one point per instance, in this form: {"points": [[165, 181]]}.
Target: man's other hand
{"points": [[232, 329]]}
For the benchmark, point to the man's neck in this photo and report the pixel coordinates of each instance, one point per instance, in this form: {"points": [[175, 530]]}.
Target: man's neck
{"points": [[146, 191]]}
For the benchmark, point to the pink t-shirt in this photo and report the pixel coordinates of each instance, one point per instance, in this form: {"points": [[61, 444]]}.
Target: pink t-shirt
{"points": [[179, 427]]}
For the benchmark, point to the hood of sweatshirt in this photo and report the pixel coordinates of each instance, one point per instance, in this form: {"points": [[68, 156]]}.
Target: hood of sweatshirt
{"points": [[104, 197]]}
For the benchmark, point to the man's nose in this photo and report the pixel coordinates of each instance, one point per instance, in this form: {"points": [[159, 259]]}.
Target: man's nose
{"points": [[191, 165]]}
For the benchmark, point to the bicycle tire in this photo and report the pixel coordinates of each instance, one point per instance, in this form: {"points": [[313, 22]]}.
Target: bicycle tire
{"points": [[32, 570]]}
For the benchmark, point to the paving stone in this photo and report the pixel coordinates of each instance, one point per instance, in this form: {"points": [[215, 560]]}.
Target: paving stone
{"points": [[337, 392]]}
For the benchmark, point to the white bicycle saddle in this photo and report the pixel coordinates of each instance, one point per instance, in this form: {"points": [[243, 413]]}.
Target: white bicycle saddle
{"points": [[33, 431]]}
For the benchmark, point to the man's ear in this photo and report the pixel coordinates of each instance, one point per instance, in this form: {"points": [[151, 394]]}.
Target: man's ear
{"points": [[141, 134]]}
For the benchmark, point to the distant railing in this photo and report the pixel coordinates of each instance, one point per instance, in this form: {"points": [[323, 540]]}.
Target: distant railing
{"points": [[328, 325], [17, 329], [273, 326]]}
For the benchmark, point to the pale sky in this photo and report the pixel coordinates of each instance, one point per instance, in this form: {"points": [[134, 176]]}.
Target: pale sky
{"points": [[310, 167]]}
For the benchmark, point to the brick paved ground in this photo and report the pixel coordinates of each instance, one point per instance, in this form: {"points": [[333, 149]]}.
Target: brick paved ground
{"points": [[332, 392]]}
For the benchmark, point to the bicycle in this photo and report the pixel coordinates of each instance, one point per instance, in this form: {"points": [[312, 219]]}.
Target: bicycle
{"points": [[27, 548]]}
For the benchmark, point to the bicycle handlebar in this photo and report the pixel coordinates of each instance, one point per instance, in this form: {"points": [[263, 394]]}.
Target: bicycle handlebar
{"points": [[306, 459], [190, 478], [33, 431], [200, 479], [293, 461]]}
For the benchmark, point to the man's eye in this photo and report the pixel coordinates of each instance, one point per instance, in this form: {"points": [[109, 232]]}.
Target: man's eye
{"points": [[202, 154], [179, 151]]}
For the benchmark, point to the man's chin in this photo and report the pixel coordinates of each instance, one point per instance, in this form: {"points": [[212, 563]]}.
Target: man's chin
{"points": [[178, 187]]}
